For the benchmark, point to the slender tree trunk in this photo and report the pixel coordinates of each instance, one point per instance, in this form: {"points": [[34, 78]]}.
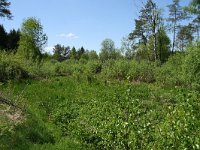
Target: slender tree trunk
{"points": [[154, 47], [160, 46], [154, 35], [174, 33], [198, 31], [174, 37]]}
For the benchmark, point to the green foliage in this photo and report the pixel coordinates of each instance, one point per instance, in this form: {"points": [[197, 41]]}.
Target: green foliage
{"points": [[80, 53], [132, 70], [193, 7], [32, 40], [146, 51], [163, 45], [143, 71], [94, 67], [32, 131], [73, 53], [192, 64], [10, 69], [115, 104], [179, 129], [108, 50], [139, 32], [181, 68], [185, 36], [143, 53], [171, 73], [93, 55], [70, 113], [63, 144], [110, 103], [116, 69], [64, 68]]}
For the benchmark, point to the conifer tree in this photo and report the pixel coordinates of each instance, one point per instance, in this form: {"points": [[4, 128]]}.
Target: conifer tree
{"points": [[4, 9], [176, 14]]}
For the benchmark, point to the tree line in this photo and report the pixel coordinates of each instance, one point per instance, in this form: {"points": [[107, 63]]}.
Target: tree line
{"points": [[149, 39], [9, 41]]}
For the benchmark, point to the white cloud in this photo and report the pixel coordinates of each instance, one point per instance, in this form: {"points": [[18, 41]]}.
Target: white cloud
{"points": [[69, 35]]}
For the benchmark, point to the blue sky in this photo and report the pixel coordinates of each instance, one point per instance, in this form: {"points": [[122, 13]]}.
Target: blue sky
{"points": [[80, 22]]}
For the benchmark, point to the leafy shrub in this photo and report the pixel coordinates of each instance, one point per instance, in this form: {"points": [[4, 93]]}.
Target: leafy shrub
{"points": [[93, 67], [180, 127], [142, 71], [119, 69], [65, 68], [11, 70], [192, 64], [116, 69], [171, 73], [64, 115]]}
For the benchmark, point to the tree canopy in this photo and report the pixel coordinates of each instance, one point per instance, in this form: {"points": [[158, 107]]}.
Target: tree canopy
{"points": [[32, 39]]}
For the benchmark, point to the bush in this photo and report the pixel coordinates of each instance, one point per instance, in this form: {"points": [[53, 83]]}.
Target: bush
{"points": [[116, 69], [11, 70], [192, 64], [93, 67], [142, 71], [171, 73]]}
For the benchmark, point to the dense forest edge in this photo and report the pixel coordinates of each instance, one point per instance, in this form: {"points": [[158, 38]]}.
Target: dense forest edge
{"points": [[144, 95]]}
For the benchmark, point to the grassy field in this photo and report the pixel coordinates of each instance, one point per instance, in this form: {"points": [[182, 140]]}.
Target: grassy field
{"points": [[72, 113]]}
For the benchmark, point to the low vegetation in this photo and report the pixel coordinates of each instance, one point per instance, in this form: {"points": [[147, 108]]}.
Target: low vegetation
{"points": [[116, 104]]}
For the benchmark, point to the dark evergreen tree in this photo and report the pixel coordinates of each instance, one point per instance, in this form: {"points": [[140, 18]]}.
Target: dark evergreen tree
{"points": [[61, 52], [4, 9], [138, 33], [3, 38], [73, 53], [80, 52], [163, 45], [13, 40]]}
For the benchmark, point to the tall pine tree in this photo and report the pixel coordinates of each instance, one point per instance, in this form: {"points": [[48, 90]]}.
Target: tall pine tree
{"points": [[147, 26], [194, 9], [176, 14]]}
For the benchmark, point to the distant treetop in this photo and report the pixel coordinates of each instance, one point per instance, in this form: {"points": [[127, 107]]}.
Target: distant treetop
{"points": [[4, 9]]}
